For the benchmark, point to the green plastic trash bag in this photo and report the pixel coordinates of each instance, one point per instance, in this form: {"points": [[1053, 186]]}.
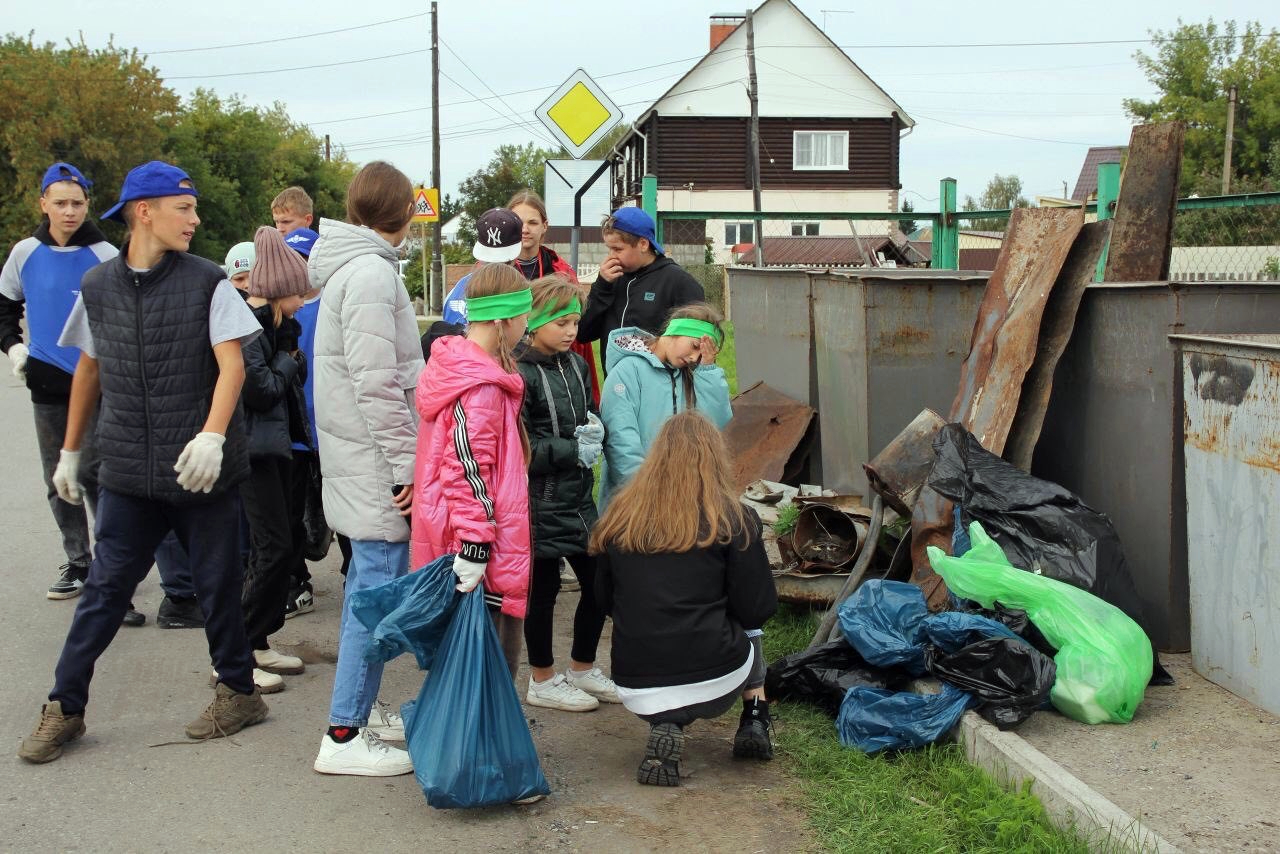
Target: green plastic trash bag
{"points": [[1104, 657]]}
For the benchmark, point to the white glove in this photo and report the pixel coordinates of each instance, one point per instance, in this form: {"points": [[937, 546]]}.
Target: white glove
{"points": [[199, 463], [591, 432], [18, 359], [66, 476], [588, 452], [469, 573]]}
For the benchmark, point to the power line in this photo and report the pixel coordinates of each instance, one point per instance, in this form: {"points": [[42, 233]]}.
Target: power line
{"points": [[285, 38], [501, 100], [297, 68], [1151, 40]]}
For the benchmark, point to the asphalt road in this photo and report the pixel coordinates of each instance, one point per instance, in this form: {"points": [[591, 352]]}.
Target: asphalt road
{"points": [[135, 783]]}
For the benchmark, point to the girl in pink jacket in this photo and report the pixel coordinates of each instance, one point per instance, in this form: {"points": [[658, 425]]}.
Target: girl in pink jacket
{"points": [[471, 473]]}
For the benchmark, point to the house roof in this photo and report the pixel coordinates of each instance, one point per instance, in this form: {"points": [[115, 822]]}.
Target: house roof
{"points": [[1087, 183], [718, 55], [827, 251]]}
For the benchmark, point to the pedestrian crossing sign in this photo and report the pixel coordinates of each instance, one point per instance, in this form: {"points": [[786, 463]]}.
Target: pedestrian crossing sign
{"points": [[426, 204], [579, 114]]}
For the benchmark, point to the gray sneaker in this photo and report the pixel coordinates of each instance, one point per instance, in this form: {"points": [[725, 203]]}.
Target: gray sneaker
{"points": [[70, 582], [228, 714], [54, 730]]}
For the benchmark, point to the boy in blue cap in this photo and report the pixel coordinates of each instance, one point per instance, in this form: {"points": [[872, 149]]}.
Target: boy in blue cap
{"points": [[159, 332], [637, 285]]}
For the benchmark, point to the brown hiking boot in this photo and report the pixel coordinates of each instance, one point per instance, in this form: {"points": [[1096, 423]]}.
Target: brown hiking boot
{"points": [[54, 730], [228, 713]]}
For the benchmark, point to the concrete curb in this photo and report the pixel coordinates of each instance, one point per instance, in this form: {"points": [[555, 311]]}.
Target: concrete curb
{"points": [[1070, 802]]}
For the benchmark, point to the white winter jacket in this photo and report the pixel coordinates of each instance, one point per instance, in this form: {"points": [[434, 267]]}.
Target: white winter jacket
{"points": [[366, 363]]}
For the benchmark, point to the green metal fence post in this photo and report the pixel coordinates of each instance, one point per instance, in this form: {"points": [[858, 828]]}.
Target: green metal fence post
{"points": [[946, 237], [649, 201], [1108, 192]]}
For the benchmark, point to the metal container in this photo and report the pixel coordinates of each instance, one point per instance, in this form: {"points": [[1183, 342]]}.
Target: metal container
{"points": [[827, 539], [1113, 431], [1231, 395], [867, 349], [900, 470]]}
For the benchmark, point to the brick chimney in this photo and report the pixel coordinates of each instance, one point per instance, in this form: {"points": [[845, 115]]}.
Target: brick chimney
{"points": [[721, 26]]}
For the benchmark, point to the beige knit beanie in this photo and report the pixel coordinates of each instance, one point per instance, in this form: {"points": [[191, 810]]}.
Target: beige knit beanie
{"points": [[277, 271]]}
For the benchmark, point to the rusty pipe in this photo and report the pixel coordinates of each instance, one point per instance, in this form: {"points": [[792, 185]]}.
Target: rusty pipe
{"points": [[855, 575]]}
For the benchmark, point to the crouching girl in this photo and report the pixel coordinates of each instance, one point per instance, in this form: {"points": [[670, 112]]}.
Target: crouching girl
{"points": [[683, 572]]}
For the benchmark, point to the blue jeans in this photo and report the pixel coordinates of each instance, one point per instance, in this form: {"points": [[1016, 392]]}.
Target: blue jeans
{"points": [[356, 682]]}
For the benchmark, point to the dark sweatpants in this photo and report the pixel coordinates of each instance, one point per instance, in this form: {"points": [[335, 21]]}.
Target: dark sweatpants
{"points": [[266, 495], [127, 530]]}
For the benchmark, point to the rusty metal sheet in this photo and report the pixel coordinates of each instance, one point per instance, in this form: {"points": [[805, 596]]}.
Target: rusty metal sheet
{"points": [[1055, 331], [1001, 352], [768, 430], [1143, 233], [898, 471]]}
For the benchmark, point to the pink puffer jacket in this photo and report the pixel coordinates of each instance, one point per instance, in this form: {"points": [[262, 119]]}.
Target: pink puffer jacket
{"points": [[471, 481]]}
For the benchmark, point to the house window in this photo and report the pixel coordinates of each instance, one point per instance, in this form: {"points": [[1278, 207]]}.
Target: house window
{"points": [[739, 232], [804, 229], [820, 149]]}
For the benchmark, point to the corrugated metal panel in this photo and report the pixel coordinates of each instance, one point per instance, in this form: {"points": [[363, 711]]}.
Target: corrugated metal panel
{"points": [[1231, 392]]}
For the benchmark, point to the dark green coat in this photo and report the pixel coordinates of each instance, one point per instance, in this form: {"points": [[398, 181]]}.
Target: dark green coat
{"points": [[557, 397]]}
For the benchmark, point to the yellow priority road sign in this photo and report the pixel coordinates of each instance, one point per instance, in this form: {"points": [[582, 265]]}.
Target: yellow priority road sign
{"points": [[426, 204], [579, 113]]}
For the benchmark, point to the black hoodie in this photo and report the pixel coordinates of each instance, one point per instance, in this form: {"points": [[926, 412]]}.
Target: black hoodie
{"points": [[643, 298]]}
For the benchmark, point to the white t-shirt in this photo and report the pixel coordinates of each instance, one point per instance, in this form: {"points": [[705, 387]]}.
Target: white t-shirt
{"points": [[230, 318], [651, 701]]}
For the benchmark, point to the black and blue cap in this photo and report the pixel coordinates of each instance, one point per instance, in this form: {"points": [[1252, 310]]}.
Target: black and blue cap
{"points": [[151, 180], [64, 172]]}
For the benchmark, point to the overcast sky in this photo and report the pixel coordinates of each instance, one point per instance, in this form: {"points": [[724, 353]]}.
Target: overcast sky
{"points": [[1065, 97]]}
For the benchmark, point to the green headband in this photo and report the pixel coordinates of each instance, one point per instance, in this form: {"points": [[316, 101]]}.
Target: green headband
{"points": [[548, 314], [691, 328], [499, 306]]}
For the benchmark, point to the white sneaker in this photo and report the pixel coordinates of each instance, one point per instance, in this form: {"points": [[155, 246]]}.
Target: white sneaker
{"points": [[273, 662], [268, 683], [384, 723], [595, 683], [366, 755], [568, 578], [557, 693]]}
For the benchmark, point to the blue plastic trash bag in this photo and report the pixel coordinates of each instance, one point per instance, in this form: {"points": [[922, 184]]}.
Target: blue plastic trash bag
{"points": [[951, 630], [872, 719], [882, 621], [1104, 658], [409, 614], [466, 732]]}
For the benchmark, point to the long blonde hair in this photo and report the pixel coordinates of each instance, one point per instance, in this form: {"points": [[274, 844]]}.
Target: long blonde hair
{"points": [[682, 497], [490, 280]]}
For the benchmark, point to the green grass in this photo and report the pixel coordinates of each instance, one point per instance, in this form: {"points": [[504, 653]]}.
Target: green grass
{"points": [[924, 800]]}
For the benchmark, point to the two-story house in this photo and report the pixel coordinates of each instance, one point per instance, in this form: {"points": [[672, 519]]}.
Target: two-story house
{"points": [[829, 135]]}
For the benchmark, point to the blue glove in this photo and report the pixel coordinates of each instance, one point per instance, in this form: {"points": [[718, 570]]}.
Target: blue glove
{"points": [[592, 431], [588, 452]]}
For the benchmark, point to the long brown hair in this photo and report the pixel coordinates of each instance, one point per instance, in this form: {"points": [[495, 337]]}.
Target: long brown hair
{"points": [[553, 292], [530, 198], [490, 280], [682, 497], [380, 197]]}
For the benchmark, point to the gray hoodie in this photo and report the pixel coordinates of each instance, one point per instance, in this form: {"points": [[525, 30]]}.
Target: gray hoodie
{"points": [[367, 360]]}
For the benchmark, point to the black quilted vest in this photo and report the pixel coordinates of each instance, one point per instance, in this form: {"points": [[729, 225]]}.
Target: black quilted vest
{"points": [[157, 370]]}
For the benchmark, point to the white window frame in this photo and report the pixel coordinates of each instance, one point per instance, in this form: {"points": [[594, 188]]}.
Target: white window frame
{"points": [[842, 146], [801, 228], [737, 230]]}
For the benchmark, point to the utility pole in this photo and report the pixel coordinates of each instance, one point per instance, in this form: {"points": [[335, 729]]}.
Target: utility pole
{"points": [[1231, 131], [437, 265], [754, 149], [326, 148]]}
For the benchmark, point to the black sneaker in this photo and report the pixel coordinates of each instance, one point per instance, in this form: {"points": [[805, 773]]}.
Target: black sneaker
{"points": [[179, 614], [752, 740], [70, 582], [301, 601], [133, 617], [661, 763]]}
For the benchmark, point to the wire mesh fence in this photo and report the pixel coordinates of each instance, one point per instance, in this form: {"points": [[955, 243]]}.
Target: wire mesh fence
{"points": [[1228, 243]]}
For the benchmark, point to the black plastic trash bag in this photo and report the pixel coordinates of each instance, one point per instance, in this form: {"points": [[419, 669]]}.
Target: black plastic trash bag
{"points": [[319, 535], [466, 732], [872, 719], [1010, 679], [1040, 526], [1014, 619], [409, 614], [882, 621], [951, 630], [824, 674]]}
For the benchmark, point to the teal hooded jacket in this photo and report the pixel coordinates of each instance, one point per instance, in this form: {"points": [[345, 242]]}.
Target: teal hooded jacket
{"points": [[638, 395]]}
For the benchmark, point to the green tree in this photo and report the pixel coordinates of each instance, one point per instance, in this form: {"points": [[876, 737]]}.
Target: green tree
{"points": [[906, 226], [1194, 67], [1003, 192], [240, 157], [105, 110], [512, 169]]}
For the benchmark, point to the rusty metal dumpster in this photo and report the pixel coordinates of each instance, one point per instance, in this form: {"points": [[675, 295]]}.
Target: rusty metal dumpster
{"points": [[1231, 394]]}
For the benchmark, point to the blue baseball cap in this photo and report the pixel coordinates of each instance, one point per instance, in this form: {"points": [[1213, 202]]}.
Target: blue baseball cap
{"points": [[638, 222], [151, 180], [65, 172], [301, 240]]}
